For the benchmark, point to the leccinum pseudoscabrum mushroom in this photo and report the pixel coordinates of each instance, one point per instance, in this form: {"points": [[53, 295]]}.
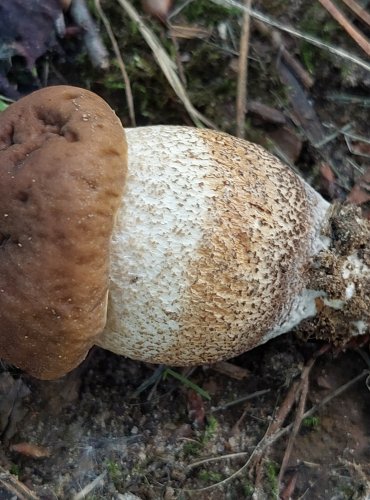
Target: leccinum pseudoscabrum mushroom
{"points": [[212, 248]]}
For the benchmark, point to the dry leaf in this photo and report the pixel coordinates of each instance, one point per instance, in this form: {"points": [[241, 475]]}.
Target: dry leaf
{"points": [[30, 450]]}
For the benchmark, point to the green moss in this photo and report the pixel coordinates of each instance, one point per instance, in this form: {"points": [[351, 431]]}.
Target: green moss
{"points": [[192, 449], [272, 470], [15, 470], [114, 469], [311, 422], [208, 13], [248, 488], [210, 429], [209, 476]]}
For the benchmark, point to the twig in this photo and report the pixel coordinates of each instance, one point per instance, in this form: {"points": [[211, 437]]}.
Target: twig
{"points": [[121, 64], [17, 489], [303, 390], [298, 34], [332, 395], [358, 10], [284, 410], [298, 418], [90, 487], [241, 92], [267, 441], [275, 425], [217, 459], [180, 67], [94, 44], [231, 370], [353, 32], [241, 400], [165, 63]]}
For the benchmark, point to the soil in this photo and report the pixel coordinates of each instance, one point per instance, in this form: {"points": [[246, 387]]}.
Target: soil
{"points": [[115, 427]]}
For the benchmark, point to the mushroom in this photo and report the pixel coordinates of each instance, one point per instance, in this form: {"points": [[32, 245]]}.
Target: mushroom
{"points": [[62, 174], [215, 248], [219, 247]]}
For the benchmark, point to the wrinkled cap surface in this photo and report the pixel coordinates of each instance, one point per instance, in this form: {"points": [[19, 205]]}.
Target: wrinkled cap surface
{"points": [[62, 174]]}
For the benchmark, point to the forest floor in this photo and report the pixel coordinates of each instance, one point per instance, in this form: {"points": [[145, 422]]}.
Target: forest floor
{"points": [[115, 428]]}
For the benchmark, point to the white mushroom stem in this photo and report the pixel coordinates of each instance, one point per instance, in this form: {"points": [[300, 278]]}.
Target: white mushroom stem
{"points": [[218, 247]]}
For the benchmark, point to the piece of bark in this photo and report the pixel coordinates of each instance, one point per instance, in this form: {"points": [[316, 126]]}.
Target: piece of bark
{"points": [[231, 370]]}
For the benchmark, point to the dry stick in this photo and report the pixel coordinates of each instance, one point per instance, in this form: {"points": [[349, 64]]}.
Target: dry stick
{"points": [[304, 386], [166, 64], [180, 67], [231, 370], [94, 44], [241, 400], [121, 64], [17, 489], [268, 441], [90, 487], [275, 425], [298, 34], [217, 459], [297, 421], [358, 10], [353, 32], [241, 92], [297, 387], [332, 395]]}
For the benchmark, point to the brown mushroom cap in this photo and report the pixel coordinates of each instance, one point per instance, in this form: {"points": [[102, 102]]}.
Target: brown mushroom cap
{"points": [[62, 174]]}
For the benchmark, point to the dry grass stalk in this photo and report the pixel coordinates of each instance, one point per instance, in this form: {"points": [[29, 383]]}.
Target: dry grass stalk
{"points": [[166, 64], [341, 19], [296, 33], [121, 64], [360, 12], [241, 92]]}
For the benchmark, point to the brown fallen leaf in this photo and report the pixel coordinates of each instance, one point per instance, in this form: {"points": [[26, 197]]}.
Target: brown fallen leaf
{"points": [[30, 450]]}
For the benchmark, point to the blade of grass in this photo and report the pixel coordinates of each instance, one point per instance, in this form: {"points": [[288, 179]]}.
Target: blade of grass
{"points": [[188, 383]]}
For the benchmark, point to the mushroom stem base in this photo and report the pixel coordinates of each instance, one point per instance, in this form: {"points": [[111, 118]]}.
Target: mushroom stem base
{"points": [[342, 273]]}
